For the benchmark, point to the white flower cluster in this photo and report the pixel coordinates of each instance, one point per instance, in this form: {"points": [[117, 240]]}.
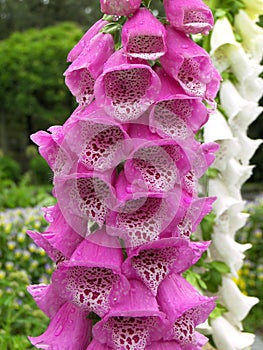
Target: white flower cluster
{"points": [[239, 62]]}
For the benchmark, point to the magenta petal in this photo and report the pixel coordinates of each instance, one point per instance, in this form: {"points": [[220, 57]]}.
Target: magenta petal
{"points": [[82, 73], [96, 345], [49, 148], [119, 7], [137, 321], [85, 40], [190, 65], [97, 141], [175, 113], [143, 36], [176, 296], [84, 197], [68, 330], [140, 217], [153, 262], [46, 298], [126, 89], [189, 16], [164, 345]]}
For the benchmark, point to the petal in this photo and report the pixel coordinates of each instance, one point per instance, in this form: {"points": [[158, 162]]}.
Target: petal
{"points": [[217, 128], [84, 197], [96, 141], [190, 65], [143, 36], [46, 298], [237, 303], [135, 322], [164, 345], [126, 89], [152, 262], [69, 329], [228, 337], [85, 40], [189, 16], [176, 297], [82, 73]]}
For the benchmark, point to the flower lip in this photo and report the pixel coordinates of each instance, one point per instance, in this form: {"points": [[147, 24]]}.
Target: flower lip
{"points": [[119, 7]]}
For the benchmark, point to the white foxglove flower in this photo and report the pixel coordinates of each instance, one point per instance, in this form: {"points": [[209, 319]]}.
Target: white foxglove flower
{"points": [[248, 146], [237, 303], [236, 174], [238, 110], [254, 7], [216, 128], [227, 337], [231, 252], [231, 220], [251, 33]]}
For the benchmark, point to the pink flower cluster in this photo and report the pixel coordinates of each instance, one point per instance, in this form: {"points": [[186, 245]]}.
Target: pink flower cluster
{"points": [[126, 168]]}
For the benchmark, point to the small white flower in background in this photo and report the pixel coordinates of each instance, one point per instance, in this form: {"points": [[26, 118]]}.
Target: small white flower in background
{"points": [[227, 337], [251, 34], [236, 302]]}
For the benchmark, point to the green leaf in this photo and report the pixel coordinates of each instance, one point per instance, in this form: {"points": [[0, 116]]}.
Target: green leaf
{"points": [[220, 266]]}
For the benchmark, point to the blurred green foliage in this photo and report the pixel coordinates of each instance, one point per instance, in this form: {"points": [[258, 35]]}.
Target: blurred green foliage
{"points": [[21, 263]]}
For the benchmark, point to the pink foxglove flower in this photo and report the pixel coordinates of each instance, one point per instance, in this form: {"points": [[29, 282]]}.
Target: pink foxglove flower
{"points": [[83, 197], [190, 65], [184, 307], [89, 282], [134, 323], [85, 40], [119, 7], [127, 87], [143, 36], [175, 113], [69, 329], [59, 240], [96, 141], [153, 262], [82, 73], [189, 16]]}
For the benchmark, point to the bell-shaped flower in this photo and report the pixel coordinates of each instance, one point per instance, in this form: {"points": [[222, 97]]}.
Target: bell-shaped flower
{"points": [[85, 40], [139, 217], [119, 7], [237, 304], [248, 146], [184, 307], [92, 278], [200, 341], [134, 323], [189, 16], [96, 141], [59, 240], [236, 174], [231, 252], [227, 337], [143, 36], [152, 166], [82, 73], [50, 148], [190, 65], [83, 197], [251, 33], [188, 217], [127, 87], [175, 113], [217, 129], [69, 329], [153, 262]]}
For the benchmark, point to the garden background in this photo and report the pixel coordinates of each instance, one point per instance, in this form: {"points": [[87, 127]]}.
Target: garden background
{"points": [[35, 37]]}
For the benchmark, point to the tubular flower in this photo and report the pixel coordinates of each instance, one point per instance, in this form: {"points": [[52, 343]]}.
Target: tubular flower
{"points": [[190, 16], [127, 164], [82, 73], [127, 87], [119, 7], [190, 66], [143, 36]]}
